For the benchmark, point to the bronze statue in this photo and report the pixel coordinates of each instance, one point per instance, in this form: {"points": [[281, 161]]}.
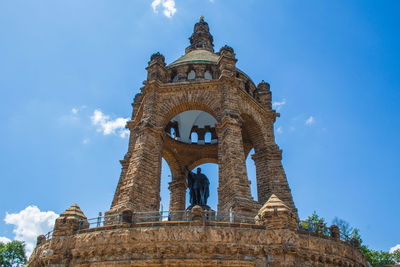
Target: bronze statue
{"points": [[198, 184]]}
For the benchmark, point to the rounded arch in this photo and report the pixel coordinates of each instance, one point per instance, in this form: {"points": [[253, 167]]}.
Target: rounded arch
{"points": [[253, 135], [202, 161], [173, 164], [204, 100]]}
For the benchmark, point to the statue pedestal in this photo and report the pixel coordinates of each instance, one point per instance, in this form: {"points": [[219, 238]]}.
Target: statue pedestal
{"points": [[205, 208], [201, 213]]}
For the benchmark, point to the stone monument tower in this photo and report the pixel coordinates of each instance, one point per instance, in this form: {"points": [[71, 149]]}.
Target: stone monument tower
{"points": [[202, 93]]}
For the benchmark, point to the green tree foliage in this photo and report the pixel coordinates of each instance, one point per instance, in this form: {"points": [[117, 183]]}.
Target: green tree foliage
{"points": [[377, 257], [317, 224], [347, 232], [396, 256], [12, 254]]}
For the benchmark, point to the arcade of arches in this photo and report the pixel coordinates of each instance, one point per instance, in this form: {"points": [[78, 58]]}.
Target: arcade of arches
{"points": [[165, 118]]}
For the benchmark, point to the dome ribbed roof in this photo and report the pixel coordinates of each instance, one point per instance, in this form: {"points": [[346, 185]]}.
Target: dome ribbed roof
{"points": [[198, 55]]}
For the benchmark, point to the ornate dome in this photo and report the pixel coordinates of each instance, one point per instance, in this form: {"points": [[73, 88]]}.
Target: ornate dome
{"points": [[196, 56]]}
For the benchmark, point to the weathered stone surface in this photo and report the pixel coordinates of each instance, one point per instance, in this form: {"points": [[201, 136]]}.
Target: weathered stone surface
{"points": [[190, 244], [210, 82]]}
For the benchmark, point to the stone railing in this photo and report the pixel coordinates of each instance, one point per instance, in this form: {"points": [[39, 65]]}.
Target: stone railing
{"points": [[128, 217], [332, 231]]}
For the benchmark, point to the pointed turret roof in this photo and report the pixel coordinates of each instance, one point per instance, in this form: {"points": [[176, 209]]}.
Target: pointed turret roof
{"points": [[74, 211], [274, 203]]}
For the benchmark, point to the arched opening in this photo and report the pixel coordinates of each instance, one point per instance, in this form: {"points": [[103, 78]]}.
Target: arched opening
{"points": [[194, 138], [193, 127], [251, 174], [207, 138], [166, 177], [172, 133], [191, 75], [253, 142], [207, 75], [211, 171]]}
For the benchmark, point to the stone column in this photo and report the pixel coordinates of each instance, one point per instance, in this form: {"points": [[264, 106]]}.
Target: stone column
{"points": [[177, 200], [182, 73], [271, 178], [199, 69], [234, 187], [139, 185]]}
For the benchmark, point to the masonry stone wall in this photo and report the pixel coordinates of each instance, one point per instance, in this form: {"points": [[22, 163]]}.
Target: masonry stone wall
{"points": [[244, 120], [188, 244]]}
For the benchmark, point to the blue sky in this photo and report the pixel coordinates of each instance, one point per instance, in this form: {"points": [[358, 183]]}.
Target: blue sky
{"points": [[69, 71]]}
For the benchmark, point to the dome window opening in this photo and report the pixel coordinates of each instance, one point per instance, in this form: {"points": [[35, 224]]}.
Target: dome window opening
{"points": [[207, 75], [207, 138], [173, 134], [175, 79], [193, 127], [194, 138], [191, 75]]}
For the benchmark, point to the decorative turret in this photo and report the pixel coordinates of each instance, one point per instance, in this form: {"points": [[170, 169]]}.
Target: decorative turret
{"points": [[227, 61], [201, 37], [276, 215], [263, 94], [70, 221], [156, 69]]}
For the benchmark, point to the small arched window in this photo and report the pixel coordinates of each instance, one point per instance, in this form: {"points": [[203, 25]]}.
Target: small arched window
{"points": [[207, 137], [207, 75], [194, 138], [191, 75], [173, 134]]}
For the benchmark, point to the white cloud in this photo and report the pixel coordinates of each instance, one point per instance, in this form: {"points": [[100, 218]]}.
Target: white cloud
{"points": [[75, 110], [85, 141], [29, 223], [310, 120], [277, 105], [393, 249], [168, 7], [108, 126], [279, 130], [4, 240]]}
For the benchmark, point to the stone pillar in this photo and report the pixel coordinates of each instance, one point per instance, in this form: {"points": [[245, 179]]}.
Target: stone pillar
{"points": [[234, 187], [271, 177], [199, 69], [139, 185], [177, 200], [334, 231], [182, 73]]}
